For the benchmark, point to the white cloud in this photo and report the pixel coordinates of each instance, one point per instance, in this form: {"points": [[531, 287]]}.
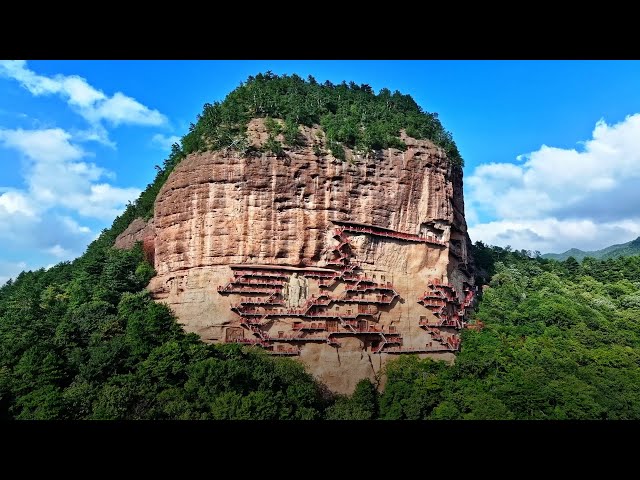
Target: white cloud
{"points": [[555, 198], [80, 93], [92, 104], [60, 253], [72, 226], [57, 179], [122, 109], [96, 133], [61, 182], [165, 142], [104, 201], [44, 232], [40, 231], [13, 202], [50, 145], [552, 235], [55, 176]]}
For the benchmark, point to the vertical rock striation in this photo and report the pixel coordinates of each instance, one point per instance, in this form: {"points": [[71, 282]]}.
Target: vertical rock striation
{"points": [[340, 264]]}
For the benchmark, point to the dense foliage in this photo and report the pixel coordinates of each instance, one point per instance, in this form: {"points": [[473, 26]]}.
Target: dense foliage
{"points": [[612, 251], [85, 341], [350, 115], [561, 341]]}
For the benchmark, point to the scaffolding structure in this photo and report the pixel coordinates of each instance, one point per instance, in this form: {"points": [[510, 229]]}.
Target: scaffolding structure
{"points": [[325, 317], [353, 227], [441, 300]]}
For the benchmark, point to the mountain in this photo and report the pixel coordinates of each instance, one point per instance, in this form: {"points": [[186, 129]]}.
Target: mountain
{"points": [[612, 251], [96, 338], [314, 237]]}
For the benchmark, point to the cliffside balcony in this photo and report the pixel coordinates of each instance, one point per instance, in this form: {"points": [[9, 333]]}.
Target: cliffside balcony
{"points": [[263, 273], [353, 227], [258, 281], [378, 299], [248, 341], [271, 300], [426, 349], [322, 275], [309, 326], [336, 261], [298, 338], [247, 289], [285, 350], [444, 321]]}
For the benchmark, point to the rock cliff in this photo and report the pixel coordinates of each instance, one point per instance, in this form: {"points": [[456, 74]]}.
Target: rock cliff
{"points": [[342, 264]]}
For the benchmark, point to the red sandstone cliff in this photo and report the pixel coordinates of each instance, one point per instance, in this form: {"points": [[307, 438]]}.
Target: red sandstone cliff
{"points": [[220, 214]]}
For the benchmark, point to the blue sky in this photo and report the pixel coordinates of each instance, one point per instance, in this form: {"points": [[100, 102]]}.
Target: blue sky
{"points": [[552, 148]]}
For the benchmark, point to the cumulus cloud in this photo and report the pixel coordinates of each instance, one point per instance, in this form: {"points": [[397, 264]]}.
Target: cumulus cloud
{"points": [[63, 187], [103, 201], [91, 103], [16, 203], [549, 234], [122, 109], [72, 226], [95, 133], [41, 231], [60, 252], [555, 198], [56, 176], [57, 179], [164, 142], [50, 145]]}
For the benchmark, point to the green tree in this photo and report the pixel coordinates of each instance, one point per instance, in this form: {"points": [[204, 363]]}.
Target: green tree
{"points": [[362, 405], [572, 266]]}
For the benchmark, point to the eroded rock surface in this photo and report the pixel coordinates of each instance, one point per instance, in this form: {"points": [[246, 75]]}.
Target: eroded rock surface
{"points": [[221, 214]]}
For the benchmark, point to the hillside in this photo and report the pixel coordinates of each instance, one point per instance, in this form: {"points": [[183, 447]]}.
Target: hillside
{"points": [[557, 343], [560, 341], [612, 251]]}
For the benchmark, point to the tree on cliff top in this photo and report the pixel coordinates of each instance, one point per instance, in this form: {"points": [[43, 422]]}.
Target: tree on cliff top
{"points": [[351, 115]]}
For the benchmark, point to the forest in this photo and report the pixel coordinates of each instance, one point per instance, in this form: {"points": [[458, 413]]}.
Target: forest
{"points": [[350, 115], [83, 340]]}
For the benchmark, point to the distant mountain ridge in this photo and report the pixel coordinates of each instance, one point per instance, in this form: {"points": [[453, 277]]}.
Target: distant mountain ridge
{"points": [[612, 251]]}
